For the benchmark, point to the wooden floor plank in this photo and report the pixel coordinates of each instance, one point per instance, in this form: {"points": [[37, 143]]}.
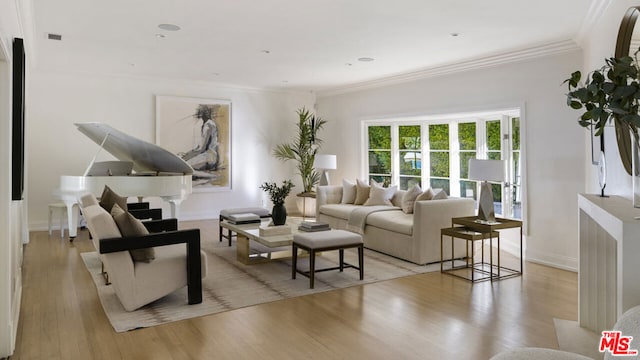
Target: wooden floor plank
{"points": [[425, 316]]}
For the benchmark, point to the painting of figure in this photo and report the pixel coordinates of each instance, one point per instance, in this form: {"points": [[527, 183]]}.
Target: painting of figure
{"points": [[198, 131]]}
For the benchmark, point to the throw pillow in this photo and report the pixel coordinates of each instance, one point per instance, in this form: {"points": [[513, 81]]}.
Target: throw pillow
{"points": [[129, 227], [109, 198], [348, 192], [440, 195], [409, 199], [379, 195], [362, 192], [426, 195]]}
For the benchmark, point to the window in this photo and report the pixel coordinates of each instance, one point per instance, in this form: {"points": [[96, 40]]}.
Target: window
{"points": [[380, 153], [439, 157], [468, 150], [410, 156], [397, 150], [515, 176], [494, 152]]}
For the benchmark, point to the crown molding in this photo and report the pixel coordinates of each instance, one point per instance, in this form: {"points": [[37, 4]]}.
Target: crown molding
{"points": [[594, 13], [479, 63]]}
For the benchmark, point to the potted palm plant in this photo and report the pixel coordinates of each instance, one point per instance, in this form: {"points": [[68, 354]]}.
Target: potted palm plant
{"points": [[277, 195], [303, 150]]}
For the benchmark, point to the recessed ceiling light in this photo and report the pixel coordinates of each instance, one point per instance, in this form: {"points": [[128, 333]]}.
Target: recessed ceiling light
{"points": [[365, 59], [169, 27], [265, 51], [348, 64], [455, 34], [160, 36]]}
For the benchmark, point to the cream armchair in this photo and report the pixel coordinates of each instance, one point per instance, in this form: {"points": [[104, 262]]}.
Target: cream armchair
{"points": [[178, 259]]}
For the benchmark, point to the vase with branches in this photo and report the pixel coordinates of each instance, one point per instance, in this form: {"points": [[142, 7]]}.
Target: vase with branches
{"points": [[277, 195], [610, 94], [303, 149]]}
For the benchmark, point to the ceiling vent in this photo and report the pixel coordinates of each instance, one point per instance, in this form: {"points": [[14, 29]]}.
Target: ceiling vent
{"points": [[51, 36]]}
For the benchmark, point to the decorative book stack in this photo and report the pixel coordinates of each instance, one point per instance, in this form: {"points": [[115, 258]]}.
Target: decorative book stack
{"points": [[273, 230], [313, 226], [243, 218]]}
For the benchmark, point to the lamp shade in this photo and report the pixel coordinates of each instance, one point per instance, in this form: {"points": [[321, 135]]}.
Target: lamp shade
{"points": [[486, 170], [324, 161]]}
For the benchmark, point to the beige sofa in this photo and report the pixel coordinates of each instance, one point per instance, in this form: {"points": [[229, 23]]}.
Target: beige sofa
{"points": [[412, 237]]}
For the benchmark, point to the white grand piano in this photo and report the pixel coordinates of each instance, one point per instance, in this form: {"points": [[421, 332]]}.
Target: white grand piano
{"points": [[156, 172]]}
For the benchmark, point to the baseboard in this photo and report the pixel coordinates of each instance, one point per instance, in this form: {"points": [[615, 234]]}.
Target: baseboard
{"points": [[556, 261]]}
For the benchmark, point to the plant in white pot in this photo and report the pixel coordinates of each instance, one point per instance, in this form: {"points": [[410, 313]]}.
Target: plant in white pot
{"points": [[303, 150]]}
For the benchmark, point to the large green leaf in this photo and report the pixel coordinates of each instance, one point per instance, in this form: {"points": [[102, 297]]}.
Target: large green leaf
{"points": [[623, 138]]}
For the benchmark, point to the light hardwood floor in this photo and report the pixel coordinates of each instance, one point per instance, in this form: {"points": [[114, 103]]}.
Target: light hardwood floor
{"points": [[428, 316]]}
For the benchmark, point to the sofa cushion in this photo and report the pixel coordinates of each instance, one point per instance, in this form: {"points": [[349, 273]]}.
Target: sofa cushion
{"points": [[396, 200], [341, 211], [409, 199], [100, 223], [109, 197], [379, 195], [393, 220], [131, 227], [426, 195], [362, 192], [348, 192], [440, 195]]}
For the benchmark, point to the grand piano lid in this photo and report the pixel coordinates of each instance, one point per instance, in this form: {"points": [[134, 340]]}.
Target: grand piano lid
{"points": [[146, 157]]}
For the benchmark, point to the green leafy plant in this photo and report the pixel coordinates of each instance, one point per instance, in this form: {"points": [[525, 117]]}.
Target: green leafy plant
{"points": [[277, 194], [303, 149], [610, 93]]}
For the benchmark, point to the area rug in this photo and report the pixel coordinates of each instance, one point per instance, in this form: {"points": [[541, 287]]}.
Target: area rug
{"points": [[232, 285], [576, 339]]}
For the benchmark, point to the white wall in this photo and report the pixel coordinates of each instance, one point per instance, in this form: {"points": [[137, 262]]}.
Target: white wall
{"points": [[554, 143], [260, 120], [11, 212]]}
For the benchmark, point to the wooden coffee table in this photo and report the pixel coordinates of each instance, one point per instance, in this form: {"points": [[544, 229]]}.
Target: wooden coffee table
{"points": [[263, 248]]}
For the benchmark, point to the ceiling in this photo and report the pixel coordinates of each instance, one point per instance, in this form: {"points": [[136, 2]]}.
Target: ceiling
{"points": [[310, 45]]}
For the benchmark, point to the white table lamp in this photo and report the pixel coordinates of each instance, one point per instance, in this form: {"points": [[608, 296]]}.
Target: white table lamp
{"points": [[325, 162], [485, 171]]}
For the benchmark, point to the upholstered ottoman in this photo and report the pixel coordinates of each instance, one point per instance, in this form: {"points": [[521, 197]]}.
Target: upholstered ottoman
{"points": [[225, 213], [319, 241]]}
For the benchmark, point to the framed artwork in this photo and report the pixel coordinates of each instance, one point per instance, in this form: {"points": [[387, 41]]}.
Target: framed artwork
{"points": [[17, 136], [199, 132]]}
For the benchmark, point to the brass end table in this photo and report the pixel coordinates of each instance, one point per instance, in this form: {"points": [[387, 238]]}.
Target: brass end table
{"points": [[471, 229]]}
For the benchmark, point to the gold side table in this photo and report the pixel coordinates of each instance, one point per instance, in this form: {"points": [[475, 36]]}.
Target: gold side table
{"points": [[475, 224], [485, 271]]}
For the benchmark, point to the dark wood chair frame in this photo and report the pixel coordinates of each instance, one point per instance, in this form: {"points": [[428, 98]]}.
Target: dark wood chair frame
{"points": [[141, 211], [312, 260], [146, 214], [165, 232]]}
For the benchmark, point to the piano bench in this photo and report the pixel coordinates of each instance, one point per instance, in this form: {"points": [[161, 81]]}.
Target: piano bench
{"points": [[58, 207], [225, 213]]}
